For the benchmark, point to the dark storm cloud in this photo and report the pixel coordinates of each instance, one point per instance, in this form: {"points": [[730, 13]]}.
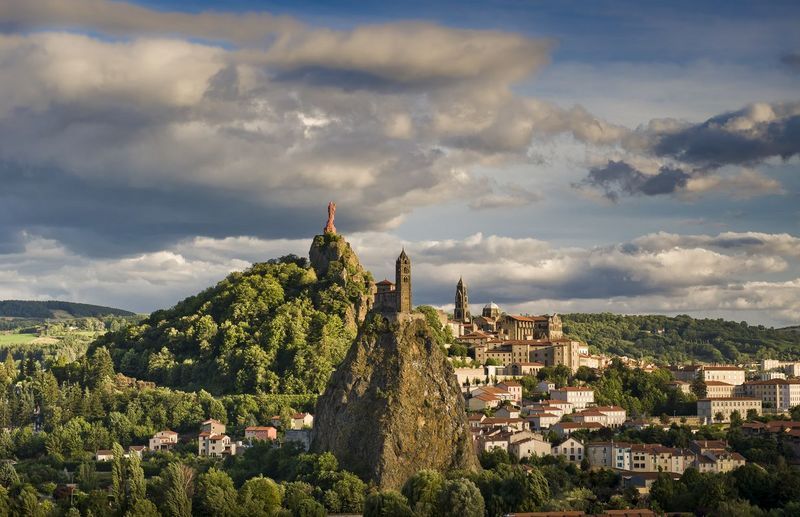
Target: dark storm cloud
{"points": [[742, 137], [618, 177]]}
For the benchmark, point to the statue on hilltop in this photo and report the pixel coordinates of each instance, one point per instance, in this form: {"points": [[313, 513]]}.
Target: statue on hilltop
{"points": [[330, 228]]}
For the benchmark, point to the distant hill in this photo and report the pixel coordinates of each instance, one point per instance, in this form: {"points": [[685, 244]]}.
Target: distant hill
{"points": [[682, 338], [796, 328], [55, 310]]}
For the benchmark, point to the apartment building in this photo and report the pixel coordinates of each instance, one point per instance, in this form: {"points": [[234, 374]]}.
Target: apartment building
{"points": [[579, 397], [775, 393], [708, 408]]}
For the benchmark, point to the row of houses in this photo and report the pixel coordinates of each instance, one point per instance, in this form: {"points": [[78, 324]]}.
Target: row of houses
{"points": [[704, 455]]}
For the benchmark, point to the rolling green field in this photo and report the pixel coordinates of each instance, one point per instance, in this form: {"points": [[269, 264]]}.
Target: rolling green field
{"points": [[16, 339]]}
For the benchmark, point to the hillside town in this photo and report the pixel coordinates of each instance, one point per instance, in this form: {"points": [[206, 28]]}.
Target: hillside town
{"points": [[545, 419]]}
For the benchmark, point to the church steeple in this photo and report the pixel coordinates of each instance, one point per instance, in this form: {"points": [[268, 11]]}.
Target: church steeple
{"points": [[461, 312], [403, 282]]}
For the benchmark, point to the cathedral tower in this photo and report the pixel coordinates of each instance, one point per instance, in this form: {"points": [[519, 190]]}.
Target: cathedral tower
{"points": [[403, 282], [461, 312]]}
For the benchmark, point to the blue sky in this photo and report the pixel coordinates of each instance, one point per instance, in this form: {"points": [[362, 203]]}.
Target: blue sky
{"points": [[561, 156]]}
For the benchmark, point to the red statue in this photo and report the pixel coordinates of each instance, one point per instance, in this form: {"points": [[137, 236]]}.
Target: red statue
{"points": [[330, 228]]}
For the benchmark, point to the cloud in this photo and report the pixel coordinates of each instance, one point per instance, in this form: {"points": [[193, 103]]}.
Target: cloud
{"points": [[712, 156], [730, 274], [744, 137], [264, 128], [618, 177]]}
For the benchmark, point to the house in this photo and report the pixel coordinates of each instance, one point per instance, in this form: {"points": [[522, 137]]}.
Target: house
{"points": [[545, 386], [302, 421], [719, 389], [708, 409], [483, 401], [579, 397], [728, 374], [474, 420], [540, 421], [682, 386], [642, 481], [507, 412], [571, 449], [535, 446], [163, 440], [212, 426], [104, 455], [719, 461], [514, 388], [685, 373], [211, 429], [613, 455], [494, 391], [487, 443], [615, 415], [215, 445], [136, 450], [263, 433]]}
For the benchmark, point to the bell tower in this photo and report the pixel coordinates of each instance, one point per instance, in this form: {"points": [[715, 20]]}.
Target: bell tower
{"points": [[461, 312], [403, 282]]}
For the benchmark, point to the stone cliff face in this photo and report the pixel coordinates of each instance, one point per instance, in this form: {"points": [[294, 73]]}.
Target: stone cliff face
{"points": [[337, 265], [393, 406]]}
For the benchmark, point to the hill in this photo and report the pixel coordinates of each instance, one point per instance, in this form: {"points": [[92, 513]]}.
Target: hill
{"points": [[279, 327], [35, 310], [681, 338]]}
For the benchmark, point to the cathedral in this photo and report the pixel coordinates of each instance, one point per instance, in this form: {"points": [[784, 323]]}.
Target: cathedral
{"points": [[395, 297], [461, 312]]}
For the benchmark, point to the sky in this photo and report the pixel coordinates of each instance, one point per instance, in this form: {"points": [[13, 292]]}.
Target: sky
{"points": [[631, 157]]}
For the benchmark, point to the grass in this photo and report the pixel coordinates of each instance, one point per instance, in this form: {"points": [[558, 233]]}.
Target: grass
{"points": [[16, 339]]}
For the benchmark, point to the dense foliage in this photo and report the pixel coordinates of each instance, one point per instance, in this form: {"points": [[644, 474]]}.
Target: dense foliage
{"points": [[55, 309], [275, 328], [682, 338]]}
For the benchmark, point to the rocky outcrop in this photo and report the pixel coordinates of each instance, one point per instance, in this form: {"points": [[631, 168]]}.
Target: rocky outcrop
{"points": [[337, 265], [393, 406]]}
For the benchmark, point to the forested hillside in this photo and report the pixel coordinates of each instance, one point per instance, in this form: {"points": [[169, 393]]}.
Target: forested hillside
{"points": [[279, 327], [55, 310], [681, 338]]}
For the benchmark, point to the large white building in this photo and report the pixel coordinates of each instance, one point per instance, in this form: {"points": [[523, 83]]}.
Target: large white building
{"points": [[776, 393], [729, 374], [579, 397], [707, 409]]}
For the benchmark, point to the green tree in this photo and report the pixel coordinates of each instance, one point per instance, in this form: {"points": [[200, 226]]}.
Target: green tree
{"points": [[387, 503], [86, 477], [143, 508], [178, 490], [350, 490], [136, 484], [260, 496], [215, 494], [101, 366], [460, 498], [8, 475], [118, 477], [422, 491]]}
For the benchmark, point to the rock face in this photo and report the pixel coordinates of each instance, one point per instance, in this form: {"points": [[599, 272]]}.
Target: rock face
{"points": [[393, 406], [337, 265]]}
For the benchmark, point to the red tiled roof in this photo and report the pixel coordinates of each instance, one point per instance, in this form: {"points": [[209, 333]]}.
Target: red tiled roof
{"points": [[717, 383], [384, 282], [258, 428], [723, 368]]}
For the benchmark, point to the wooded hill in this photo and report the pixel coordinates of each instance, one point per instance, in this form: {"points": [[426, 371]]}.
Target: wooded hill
{"points": [[681, 338], [279, 327], [55, 310]]}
